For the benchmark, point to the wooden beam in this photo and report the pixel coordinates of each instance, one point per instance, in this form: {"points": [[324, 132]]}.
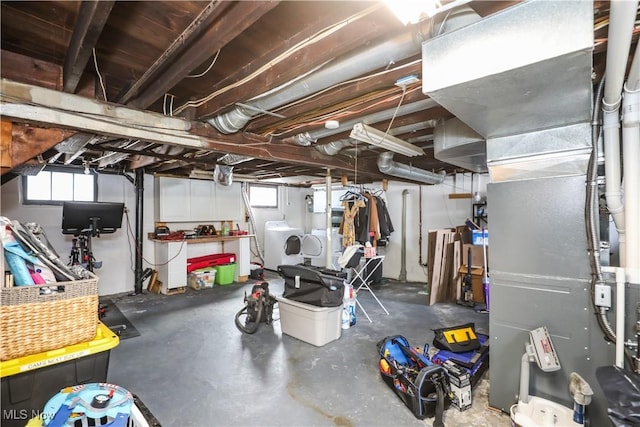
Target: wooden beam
{"points": [[46, 107], [31, 71], [194, 30], [239, 17], [28, 142], [6, 146], [91, 19], [351, 37]]}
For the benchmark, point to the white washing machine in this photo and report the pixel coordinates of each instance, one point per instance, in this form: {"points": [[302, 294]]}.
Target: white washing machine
{"points": [[288, 245]]}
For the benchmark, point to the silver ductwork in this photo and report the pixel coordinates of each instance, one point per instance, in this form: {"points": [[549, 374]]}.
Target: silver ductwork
{"points": [[334, 147], [522, 79], [456, 143], [354, 65], [367, 60], [308, 138], [387, 166], [524, 70]]}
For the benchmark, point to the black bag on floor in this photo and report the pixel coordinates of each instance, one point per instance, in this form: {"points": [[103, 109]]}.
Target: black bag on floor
{"points": [[421, 385], [314, 286]]}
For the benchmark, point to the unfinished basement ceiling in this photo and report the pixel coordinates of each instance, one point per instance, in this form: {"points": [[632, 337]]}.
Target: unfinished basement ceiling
{"points": [[251, 83]]}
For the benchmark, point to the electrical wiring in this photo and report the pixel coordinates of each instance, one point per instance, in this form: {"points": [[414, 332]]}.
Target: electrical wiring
{"points": [[130, 235], [346, 82], [305, 43], [95, 63], [340, 113], [193, 76]]}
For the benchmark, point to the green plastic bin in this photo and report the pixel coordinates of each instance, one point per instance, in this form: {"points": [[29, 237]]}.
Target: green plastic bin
{"points": [[225, 274]]}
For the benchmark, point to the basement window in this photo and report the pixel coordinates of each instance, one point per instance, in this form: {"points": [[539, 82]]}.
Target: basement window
{"points": [[52, 187], [263, 196]]}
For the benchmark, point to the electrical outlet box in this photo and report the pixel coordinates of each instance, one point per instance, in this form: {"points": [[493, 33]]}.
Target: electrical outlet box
{"points": [[603, 296]]}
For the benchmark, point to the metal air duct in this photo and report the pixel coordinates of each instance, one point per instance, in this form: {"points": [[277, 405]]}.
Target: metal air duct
{"points": [[523, 70], [366, 60], [456, 143], [387, 166], [308, 138], [334, 147]]}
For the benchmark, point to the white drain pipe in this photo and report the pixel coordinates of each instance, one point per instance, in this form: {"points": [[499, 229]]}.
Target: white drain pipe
{"points": [[620, 309], [631, 160], [621, 24]]}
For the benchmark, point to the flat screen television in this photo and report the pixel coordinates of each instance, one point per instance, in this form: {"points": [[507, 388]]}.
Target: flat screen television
{"points": [[91, 217]]}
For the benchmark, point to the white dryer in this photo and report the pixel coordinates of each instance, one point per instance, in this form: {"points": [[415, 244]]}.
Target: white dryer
{"points": [[284, 244]]}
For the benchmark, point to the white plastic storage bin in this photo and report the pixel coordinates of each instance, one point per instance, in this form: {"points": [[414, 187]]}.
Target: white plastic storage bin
{"points": [[311, 324]]}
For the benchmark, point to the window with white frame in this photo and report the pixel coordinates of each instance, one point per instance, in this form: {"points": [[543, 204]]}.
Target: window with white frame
{"points": [[263, 196], [52, 187]]}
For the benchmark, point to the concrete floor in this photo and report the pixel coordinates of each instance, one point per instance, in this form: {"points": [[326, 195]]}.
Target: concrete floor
{"points": [[192, 367]]}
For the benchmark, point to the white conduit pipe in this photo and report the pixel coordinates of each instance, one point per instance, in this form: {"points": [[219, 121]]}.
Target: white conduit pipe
{"points": [[328, 250], [613, 192], [620, 309], [631, 162], [621, 24]]}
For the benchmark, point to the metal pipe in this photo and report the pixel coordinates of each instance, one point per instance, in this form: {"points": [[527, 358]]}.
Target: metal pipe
{"points": [[334, 147], [137, 289], [403, 252], [366, 60], [308, 138], [387, 166]]}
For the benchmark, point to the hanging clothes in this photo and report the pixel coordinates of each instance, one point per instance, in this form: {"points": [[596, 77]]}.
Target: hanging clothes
{"points": [[348, 219], [384, 220], [374, 223]]}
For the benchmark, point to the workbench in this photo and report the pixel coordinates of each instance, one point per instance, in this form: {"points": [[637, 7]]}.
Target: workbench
{"points": [[171, 257]]}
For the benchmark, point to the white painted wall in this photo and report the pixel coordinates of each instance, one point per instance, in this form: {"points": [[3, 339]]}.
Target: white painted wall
{"points": [[291, 208], [116, 250]]}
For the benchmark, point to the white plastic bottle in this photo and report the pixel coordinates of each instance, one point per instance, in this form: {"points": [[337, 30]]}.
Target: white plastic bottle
{"points": [[346, 310]]}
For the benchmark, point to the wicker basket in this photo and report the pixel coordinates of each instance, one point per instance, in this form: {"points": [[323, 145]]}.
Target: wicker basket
{"points": [[31, 323]]}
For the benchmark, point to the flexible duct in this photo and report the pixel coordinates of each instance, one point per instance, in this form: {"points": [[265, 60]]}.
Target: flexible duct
{"points": [[387, 166], [364, 61]]}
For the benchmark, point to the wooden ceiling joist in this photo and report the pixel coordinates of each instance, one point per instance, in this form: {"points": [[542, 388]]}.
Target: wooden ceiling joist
{"points": [[91, 20], [242, 14], [193, 31], [300, 63]]}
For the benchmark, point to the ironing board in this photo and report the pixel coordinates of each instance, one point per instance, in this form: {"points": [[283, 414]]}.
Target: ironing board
{"points": [[359, 273]]}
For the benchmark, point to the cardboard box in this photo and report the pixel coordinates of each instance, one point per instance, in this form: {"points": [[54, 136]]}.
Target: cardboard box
{"points": [[477, 257], [477, 273], [311, 324]]}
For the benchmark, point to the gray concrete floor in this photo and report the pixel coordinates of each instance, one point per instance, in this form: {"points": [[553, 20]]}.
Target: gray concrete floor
{"points": [[192, 367]]}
